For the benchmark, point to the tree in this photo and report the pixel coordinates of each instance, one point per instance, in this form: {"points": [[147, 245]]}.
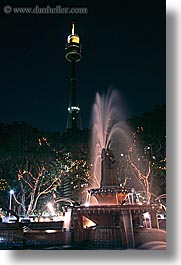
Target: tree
{"points": [[27, 164], [36, 180], [147, 155], [34, 164]]}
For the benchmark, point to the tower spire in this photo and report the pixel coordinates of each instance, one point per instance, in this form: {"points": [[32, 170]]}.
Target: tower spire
{"points": [[73, 55], [73, 26]]}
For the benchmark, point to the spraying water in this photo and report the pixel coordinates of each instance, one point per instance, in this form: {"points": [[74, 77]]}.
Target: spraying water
{"points": [[109, 131]]}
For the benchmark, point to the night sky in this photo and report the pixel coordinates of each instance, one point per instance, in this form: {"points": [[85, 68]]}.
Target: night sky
{"points": [[123, 47]]}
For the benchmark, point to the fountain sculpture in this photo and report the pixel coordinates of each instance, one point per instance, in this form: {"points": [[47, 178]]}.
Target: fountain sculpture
{"points": [[113, 218], [110, 192], [109, 140]]}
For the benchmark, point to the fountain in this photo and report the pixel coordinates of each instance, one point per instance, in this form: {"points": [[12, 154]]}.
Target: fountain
{"points": [[109, 140], [113, 219]]}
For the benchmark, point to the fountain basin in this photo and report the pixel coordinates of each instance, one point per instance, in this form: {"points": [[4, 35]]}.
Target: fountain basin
{"points": [[109, 196]]}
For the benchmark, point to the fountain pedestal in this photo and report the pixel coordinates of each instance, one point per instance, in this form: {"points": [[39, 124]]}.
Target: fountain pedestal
{"points": [[109, 196], [110, 192]]}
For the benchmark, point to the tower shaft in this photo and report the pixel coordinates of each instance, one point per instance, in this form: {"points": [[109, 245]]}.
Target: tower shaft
{"points": [[73, 55], [73, 96]]}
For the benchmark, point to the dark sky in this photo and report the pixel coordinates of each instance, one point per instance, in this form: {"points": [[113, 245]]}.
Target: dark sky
{"points": [[123, 46]]}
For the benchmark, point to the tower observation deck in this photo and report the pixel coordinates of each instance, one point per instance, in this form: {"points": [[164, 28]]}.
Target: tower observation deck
{"points": [[73, 55]]}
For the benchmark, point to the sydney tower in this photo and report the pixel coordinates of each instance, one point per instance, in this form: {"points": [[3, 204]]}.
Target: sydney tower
{"points": [[73, 55]]}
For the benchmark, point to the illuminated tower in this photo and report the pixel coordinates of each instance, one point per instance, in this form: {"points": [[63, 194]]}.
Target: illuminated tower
{"points": [[73, 55]]}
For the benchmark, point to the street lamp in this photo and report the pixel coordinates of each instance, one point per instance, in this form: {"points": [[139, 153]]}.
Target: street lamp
{"points": [[10, 200]]}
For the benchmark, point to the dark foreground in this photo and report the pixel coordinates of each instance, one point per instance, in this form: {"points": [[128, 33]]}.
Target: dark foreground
{"points": [[52, 236]]}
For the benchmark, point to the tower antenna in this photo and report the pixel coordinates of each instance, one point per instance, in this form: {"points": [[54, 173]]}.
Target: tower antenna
{"points": [[73, 28]]}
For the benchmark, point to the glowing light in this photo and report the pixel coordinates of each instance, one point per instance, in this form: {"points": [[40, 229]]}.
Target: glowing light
{"points": [[74, 39], [87, 222], [50, 207], [146, 215], [87, 204], [73, 108], [41, 219], [3, 184], [50, 231], [11, 192]]}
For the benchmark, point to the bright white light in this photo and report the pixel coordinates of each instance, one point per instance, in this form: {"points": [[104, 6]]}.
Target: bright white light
{"points": [[41, 219], [11, 191], [140, 203], [50, 207], [146, 215], [86, 204], [50, 231], [73, 108], [122, 155]]}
